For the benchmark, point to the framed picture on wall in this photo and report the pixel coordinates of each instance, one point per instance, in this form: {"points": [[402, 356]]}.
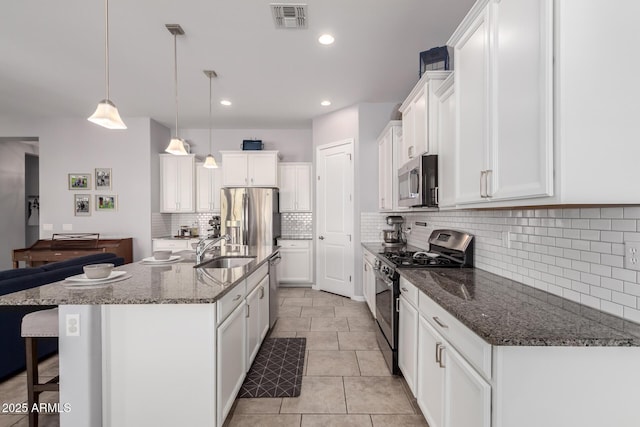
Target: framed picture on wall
{"points": [[79, 181], [82, 204], [103, 179], [106, 203]]}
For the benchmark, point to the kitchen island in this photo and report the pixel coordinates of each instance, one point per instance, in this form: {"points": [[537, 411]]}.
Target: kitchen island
{"points": [[149, 349]]}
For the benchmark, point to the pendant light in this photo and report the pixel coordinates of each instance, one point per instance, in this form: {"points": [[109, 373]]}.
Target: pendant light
{"points": [[210, 161], [106, 115], [176, 145]]}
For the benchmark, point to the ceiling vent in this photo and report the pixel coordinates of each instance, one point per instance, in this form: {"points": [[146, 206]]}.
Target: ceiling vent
{"points": [[289, 15]]}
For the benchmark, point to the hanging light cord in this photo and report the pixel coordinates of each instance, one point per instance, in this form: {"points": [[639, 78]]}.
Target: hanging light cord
{"points": [[175, 69], [106, 44], [210, 117]]}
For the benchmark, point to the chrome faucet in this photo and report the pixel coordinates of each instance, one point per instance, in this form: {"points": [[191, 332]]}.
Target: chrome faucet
{"points": [[202, 247]]}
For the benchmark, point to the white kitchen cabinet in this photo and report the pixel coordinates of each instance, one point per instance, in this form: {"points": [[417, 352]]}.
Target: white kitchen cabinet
{"points": [[446, 144], [174, 245], [257, 318], [176, 183], [369, 280], [408, 342], [296, 264], [504, 94], [419, 118], [249, 169], [430, 375], [295, 187], [231, 363], [208, 184]]}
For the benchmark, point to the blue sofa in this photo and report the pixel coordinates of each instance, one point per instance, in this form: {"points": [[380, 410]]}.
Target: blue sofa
{"points": [[12, 353]]}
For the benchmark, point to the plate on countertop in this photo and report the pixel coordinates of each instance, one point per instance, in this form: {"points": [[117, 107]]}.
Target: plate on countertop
{"points": [[97, 283], [82, 278], [152, 260]]}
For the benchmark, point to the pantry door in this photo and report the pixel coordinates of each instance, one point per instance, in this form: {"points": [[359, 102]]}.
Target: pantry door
{"points": [[334, 219]]}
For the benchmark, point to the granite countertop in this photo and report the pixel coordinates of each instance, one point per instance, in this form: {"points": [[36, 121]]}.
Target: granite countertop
{"points": [[176, 283], [505, 312]]}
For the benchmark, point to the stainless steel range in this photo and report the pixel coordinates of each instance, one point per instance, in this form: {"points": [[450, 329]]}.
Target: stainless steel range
{"points": [[447, 249]]}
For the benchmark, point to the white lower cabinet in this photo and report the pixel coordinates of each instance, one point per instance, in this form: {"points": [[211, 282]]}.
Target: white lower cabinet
{"points": [[257, 319], [296, 265], [231, 344], [369, 281], [408, 342], [430, 381]]}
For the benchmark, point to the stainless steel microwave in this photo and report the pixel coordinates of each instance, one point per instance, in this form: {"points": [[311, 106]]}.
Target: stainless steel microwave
{"points": [[418, 182]]}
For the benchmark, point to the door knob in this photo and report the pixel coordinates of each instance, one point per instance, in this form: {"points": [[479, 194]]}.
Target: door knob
{"points": [[321, 237]]}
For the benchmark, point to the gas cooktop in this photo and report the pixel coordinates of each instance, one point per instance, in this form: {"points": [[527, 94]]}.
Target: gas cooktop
{"points": [[417, 259]]}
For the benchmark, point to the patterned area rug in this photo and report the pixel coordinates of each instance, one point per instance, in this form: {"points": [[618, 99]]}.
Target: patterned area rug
{"points": [[277, 369]]}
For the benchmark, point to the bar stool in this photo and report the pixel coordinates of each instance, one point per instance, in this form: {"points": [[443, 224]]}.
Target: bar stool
{"points": [[40, 324]]}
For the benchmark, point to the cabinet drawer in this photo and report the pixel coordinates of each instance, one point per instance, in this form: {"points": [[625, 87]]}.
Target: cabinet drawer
{"points": [[257, 276], [230, 301], [409, 291], [473, 348], [369, 257], [298, 244], [174, 245]]}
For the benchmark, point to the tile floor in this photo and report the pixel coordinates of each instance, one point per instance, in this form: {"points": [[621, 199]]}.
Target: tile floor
{"points": [[346, 382]]}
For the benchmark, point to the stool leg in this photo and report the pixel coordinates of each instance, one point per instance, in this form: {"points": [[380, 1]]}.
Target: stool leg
{"points": [[32, 378]]}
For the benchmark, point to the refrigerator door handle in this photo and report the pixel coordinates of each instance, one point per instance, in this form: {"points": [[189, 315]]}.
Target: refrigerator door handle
{"points": [[245, 219]]}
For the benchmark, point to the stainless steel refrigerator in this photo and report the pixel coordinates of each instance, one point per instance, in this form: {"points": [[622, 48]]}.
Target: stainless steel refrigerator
{"points": [[250, 215]]}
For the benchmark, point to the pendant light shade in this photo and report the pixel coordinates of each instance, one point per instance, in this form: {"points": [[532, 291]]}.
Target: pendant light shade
{"points": [[106, 115], [176, 145], [210, 161]]}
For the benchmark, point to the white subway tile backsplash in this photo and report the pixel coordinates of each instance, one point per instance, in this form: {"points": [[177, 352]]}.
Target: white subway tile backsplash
{"points": [[576, 253], [631, 314], [624, 299]]}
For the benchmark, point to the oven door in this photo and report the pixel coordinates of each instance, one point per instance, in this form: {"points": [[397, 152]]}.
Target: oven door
{"points": [[385, 307], [409, 188]]}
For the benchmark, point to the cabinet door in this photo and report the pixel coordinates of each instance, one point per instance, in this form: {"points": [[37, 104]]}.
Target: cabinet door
{"points": [[264, 308], [365, 281], [408, 342], [168, 184], [186, 178], [446, 149], [472, 118], [369, 282], [468, 395], [235, 170], [231, 364], [385, 171], [420, 144], [295, 265], [204, 190], [408, 135], [303, 188], [216, 185], [287, 184], [430, 378], [263, 169], [253, 325], [522, 137]]}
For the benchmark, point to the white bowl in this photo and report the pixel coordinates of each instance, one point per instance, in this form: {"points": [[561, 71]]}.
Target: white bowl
{"points": [[161, 255], [97, 271]]}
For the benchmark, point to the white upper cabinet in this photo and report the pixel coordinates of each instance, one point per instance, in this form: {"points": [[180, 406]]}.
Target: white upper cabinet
{"points": [[295, 187], [504, 99], [208, 184], [176, 183], [446, 144], [250, 169], [419, 118], [389, 148]]}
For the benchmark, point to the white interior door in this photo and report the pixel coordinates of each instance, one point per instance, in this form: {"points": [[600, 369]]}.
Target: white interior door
{"points": [[334, 226]]}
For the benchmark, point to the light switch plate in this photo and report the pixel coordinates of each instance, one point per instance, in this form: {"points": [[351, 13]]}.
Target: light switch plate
{"points": [[47, 227], [632, 255], [67, 227]]}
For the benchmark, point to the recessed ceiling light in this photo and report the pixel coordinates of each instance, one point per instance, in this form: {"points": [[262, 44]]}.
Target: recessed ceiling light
{"points": [[326, 39], [225, 102], [325, 103]]}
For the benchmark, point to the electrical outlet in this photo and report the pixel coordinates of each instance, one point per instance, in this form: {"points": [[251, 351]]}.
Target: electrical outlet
{"points": [[632, 255], [73, 325]]}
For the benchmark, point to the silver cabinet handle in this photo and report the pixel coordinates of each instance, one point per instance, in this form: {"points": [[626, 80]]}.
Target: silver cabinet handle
{"points": [[237, 297], [248, 310], [261, 292], [405, 289], [437, 190], [440, 360], [438, 344], [365, 267], [398, 305], [321, 237], [486, 183], [439, 322], [252, 180], [481, 176]]}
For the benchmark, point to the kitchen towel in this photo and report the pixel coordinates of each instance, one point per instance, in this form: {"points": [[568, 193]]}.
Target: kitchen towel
{"points": [[276, 370]]}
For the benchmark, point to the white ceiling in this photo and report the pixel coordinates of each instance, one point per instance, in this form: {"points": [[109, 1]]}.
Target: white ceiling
{"points": [[52, 57]]}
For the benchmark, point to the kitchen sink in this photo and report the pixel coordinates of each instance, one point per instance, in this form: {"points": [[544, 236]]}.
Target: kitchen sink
{"points": [[226, 262]]}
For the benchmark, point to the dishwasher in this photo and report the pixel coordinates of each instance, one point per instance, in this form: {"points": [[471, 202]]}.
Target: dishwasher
{"points": [[274, 260]]}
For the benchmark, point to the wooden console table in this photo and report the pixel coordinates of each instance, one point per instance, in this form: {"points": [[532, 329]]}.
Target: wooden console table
{"points": [[52, 250]]}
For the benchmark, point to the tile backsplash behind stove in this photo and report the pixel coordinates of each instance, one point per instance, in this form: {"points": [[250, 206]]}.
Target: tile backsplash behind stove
{"points": [[574, 253]]}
